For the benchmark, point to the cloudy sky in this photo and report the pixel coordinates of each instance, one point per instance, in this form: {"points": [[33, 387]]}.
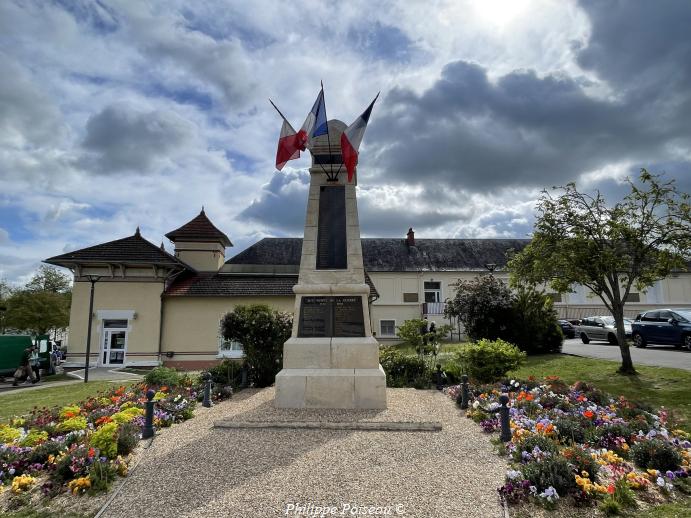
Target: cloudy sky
{"points": [[118, 113]]}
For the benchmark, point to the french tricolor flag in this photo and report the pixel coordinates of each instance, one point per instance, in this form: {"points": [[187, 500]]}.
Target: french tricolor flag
{"points": [[351, 138], [315, 123]]}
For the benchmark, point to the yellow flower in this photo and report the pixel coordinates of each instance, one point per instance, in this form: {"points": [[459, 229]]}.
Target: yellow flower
{"points": [[652, 472], [80, 484], [22, 483]]}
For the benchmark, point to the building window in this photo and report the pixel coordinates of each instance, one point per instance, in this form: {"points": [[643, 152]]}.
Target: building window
{"points": [[387, 328], [230, 349], [410, 297], [556, 297], [633, 297], [432, 291]]}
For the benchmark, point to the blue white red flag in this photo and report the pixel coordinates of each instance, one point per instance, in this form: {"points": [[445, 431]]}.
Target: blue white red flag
{"points": [[315, 123], [351, 139]]}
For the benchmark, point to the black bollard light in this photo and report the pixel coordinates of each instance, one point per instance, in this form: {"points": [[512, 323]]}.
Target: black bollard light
{"points": [[505, 435], [206, 403], [243, 379], [464, 392], [440, 383], [148, 428]]}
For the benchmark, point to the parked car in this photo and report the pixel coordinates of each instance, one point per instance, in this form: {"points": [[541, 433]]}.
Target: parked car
{"points": [[567, 328], [663, 327], [601, 328]]}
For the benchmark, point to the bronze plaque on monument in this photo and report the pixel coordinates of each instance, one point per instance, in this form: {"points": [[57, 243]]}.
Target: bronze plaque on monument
{"points": [[331, 317], [332, 251]]}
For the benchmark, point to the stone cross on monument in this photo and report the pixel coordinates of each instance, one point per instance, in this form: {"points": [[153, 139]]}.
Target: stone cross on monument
{"points": [[331, 359]]}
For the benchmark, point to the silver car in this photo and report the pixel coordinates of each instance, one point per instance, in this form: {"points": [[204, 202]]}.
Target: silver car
{"points": [[601, 328]]}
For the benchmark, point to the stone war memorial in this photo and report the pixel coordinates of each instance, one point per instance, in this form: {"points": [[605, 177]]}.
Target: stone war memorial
{"points": [[331, 359]]}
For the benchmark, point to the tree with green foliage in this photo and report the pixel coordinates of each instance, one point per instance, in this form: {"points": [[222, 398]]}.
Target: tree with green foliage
{"points": [[262, 332], [483, 305], [42, 305], [581, 240], [49, 278]]}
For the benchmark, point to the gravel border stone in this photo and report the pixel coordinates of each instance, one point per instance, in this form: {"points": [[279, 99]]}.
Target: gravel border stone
{"points": [[194, 469]]}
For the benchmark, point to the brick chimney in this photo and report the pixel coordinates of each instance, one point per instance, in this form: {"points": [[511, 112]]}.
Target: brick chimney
{"points": [[410, 239]]}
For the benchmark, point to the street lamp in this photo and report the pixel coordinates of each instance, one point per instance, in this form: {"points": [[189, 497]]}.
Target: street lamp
{"points": [[93, 279]]}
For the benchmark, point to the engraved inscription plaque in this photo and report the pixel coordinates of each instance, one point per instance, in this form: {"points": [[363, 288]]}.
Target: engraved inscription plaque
{"points": [[315, 317], [332, 248], [331, 316], [348, 317]]}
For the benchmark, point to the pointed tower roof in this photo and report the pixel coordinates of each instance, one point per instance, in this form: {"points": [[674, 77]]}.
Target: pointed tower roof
{"points": [[199, 229]]}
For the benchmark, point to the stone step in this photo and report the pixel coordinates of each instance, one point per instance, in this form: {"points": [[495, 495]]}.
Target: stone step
{"points": [[368, 426]]}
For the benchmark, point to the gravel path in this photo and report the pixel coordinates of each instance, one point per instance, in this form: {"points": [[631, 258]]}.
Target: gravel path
{"points": [[195, 470]]}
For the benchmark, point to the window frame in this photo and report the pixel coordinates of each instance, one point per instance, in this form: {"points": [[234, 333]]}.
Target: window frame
{"points": [[381, 334]]}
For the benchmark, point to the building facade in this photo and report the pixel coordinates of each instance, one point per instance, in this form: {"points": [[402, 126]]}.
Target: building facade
{"points": [[151, 307]]}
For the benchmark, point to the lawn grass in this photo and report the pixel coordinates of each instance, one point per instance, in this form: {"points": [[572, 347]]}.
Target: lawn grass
{"points": [[21, 402], [656, 386], [675, 510]]}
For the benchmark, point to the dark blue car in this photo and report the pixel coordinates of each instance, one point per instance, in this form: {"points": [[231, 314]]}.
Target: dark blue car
{"points": [[664, 327]]}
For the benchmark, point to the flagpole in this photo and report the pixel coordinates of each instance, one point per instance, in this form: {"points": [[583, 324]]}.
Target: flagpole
{"points": [[330, 176]]}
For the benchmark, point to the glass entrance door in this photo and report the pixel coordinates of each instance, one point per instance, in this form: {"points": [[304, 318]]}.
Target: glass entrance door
{"points": [[114, 344]]}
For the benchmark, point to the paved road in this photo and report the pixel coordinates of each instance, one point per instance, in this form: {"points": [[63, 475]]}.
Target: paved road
{"points": [[657, 355]]}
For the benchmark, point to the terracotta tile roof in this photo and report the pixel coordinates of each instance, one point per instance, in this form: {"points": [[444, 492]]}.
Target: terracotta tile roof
{"points": [[199, 229], [234, 285], [133, 249], [394, 255]]}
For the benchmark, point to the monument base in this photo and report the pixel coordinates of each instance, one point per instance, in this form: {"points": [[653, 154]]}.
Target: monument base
{"points": [[331, 373], [331, 388]]}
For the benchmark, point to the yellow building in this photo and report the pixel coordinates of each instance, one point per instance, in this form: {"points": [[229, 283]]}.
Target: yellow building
{"points": [[152, 308]]}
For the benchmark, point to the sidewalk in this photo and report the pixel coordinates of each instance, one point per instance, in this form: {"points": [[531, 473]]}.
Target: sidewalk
{"points": [[95, 374]]}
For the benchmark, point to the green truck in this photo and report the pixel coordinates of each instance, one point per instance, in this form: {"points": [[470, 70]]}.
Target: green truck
{"points": [[12, 347]]}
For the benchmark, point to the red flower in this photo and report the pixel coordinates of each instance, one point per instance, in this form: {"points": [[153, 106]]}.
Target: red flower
{"points": [[92, 452], [589, 414], [610, 489]]}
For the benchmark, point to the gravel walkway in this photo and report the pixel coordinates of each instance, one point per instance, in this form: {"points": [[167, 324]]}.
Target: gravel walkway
{"points": [[195, 470]]}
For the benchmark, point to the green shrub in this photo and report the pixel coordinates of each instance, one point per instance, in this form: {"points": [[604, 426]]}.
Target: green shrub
{"points": [[487, 361], [228, 372], [553, 471], [402, 370], [72, 424], [106, 440], [34, 437], [262, 332], [128, 438], [655, 454], [528, 444], [453, 373], [533, 326], [160, 376]]}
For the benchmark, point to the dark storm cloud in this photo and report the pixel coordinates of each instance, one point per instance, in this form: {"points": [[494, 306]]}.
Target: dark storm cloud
{"points": [[531, 131], [120, 138], [522, 130], [282, 203], [639, 44]]}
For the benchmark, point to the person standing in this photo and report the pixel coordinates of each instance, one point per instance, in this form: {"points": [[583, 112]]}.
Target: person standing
{"points": [[24, 370], [36, 364]]}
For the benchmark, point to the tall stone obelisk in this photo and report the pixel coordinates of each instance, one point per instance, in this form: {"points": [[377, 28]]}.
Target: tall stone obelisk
{"points": [[331, 359]]}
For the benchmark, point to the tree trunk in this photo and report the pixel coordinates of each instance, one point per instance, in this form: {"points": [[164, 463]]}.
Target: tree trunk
{"points": [[626, 362]]}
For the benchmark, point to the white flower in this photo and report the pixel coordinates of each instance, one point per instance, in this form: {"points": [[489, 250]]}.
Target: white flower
{"points": [[660, 481], [533, 489], [476, 404], [513, 474]]}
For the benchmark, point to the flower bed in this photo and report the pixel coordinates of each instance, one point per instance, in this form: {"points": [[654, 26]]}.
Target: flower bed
{"points": [[580, 445], [83, 447]]}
